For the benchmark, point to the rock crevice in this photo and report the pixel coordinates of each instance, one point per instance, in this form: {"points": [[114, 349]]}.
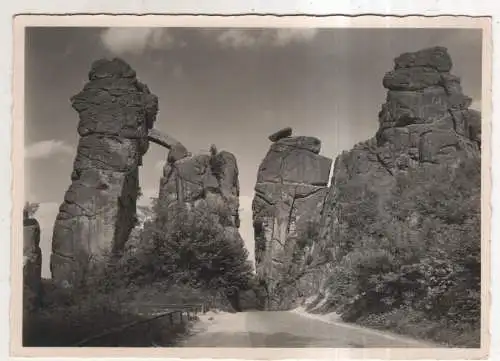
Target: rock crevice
{"points": [[290, 188]]}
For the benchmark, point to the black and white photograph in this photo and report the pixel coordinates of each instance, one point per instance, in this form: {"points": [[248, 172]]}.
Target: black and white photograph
{"points": [[281, 187]]}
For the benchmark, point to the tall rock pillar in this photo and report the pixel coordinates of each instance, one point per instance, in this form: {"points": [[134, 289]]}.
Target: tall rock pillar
{"points": [[425, 128], [32, 263], [289, 194], [99, 209]]}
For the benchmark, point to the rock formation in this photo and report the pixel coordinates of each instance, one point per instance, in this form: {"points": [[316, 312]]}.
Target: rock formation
{"points": [[116, 111], [282, 133], [291, 186], [32, 263], [425, 125], [189, 179]]}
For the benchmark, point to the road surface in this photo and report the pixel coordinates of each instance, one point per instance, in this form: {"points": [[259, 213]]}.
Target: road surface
{"points": [[287, 329]]}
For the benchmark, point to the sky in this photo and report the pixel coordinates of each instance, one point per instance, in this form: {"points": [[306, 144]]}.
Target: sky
{"points": [[227, 86]]}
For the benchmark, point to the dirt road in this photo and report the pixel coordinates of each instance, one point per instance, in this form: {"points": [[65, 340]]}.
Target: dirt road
{"points": [[287, 329]]}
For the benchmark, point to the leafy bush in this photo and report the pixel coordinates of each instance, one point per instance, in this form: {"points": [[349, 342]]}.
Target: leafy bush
{"points": [[185, 245], [413, 257]]}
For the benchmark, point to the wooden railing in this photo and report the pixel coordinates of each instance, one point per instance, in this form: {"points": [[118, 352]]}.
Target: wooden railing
{"points": [[174, 315]]}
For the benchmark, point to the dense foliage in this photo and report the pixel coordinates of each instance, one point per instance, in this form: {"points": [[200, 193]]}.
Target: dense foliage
{"points": [[410, 260], [184, 245], [181, 255]]}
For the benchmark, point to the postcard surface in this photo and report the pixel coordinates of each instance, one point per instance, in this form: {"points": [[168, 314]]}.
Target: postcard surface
{"points": [[251, 187]]}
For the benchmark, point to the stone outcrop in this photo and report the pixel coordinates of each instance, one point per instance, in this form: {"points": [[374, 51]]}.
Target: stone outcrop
{"points": [[425, 124], [291, 186], [32, 263], [177, 149], [189, 179], [116, 112], [282, 133]]}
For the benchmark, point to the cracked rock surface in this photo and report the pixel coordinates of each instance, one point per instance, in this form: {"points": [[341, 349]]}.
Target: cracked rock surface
{"points": [[291, 185], [424, 123], [190, 179], [116, 112]]}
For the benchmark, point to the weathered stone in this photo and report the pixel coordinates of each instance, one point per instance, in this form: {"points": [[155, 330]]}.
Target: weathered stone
{"points": [[303, 143], [177, 150], [116, 112], [294, 160], [32, 264], [473, 123], [191, 179], [115, 68], [282, 133], [291, 186], [411, 78], [435, 57], [425, 125]]}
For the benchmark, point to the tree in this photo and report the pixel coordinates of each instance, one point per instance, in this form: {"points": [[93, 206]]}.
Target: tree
{"points": [[30, 209], [418, 247], [190, 245]]}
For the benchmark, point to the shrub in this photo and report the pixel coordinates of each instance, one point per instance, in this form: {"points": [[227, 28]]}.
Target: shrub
{"points": [[415, 251], [187, 246]]}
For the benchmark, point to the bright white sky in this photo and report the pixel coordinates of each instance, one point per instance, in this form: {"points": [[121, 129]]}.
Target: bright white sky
{"points": [[230, 87]]}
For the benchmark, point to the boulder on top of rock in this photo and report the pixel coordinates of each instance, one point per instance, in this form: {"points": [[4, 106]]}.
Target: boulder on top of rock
{"points": [[291, 185], [115, 68], [311, 144], [435, 57], [280, 134]]}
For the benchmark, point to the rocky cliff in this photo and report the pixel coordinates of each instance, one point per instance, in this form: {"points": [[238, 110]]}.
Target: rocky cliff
{"points": [[32, 263], [190, 179], [207, 179], [426, 131], [116, 111], [291, 186]]}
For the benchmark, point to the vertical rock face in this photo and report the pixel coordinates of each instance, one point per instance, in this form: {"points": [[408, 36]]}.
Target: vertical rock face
{"points": [[116, 111], [425, 125], [189, 179], [32, 263], [289, 194]]}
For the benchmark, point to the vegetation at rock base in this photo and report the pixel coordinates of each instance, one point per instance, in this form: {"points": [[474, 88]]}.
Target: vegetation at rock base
{"points": [[181, 256], [411, 262], [70, 316], [188, 245]]}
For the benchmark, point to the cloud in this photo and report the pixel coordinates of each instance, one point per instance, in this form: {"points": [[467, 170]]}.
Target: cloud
{"points": [[285, 36], [48, 148], [249, 38], [136, 40]]}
